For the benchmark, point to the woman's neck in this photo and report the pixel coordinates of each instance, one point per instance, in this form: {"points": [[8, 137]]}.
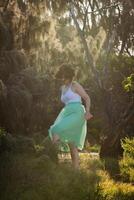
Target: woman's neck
{"points": [[68, 83]]}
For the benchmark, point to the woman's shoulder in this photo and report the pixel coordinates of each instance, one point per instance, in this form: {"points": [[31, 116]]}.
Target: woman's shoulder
{"points": [[76, 84], [62, 87]]}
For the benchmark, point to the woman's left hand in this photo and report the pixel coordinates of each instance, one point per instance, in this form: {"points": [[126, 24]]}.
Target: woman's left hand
{"points": [[88, 115]]}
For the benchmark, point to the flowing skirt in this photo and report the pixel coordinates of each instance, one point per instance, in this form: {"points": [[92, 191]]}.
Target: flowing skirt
{"points": [[70, 126]]}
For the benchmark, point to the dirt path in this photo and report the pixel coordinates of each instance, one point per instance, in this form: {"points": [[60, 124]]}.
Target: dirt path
{"points": [[65, 157]]}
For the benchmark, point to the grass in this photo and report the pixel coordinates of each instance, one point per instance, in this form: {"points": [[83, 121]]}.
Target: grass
{"points": [[35, 175], [108, 189], [38, 178], [94, 148]]}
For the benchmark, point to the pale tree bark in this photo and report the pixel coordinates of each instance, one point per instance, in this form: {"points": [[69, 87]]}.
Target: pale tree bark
{"points": [[89, 57]]}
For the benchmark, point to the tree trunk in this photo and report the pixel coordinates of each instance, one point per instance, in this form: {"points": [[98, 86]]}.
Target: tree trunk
{"points": [[111, 147]]}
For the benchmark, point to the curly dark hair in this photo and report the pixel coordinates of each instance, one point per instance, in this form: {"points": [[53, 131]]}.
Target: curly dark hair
{"points": [[65, 71]]}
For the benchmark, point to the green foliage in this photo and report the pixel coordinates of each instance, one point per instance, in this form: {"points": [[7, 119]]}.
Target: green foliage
{"points": [[95, 131], [2, 139], [128, 83], [127, 169], [17, 144], [50, 40], [110, 190], [35, 175], [46, 147], [128, 146], [2, 132], [112, 167], [92, 148], [26, 95], [6, 141], [127, 163]]}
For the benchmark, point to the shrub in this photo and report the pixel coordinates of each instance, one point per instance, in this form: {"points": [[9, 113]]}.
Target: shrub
{"points": [[10, 143], [112, 167], [92, 148], [38, 178], [111, 190], [127, 163]]}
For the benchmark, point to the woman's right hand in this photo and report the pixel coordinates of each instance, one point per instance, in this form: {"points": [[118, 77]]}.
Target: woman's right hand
{"points": [[88, 115]]}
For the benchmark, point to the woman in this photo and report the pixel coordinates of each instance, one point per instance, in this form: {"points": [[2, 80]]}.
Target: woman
{"points": [[70, 126]]}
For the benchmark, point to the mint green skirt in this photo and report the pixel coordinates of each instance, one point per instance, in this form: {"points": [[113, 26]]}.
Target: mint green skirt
{"points": [[70, 126]]}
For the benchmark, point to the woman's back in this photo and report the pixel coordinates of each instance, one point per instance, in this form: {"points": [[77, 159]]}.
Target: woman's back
{"points": [[68, 95]]}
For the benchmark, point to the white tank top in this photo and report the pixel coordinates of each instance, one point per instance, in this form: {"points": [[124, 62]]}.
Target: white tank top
{"points": [[70, 96]]}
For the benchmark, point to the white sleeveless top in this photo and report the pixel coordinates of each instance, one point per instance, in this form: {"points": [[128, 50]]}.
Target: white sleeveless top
{"points": [[70, 96]]}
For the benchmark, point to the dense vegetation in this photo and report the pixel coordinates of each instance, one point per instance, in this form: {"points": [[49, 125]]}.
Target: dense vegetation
{"points": [[29, 170], [90, 35], [36, 36]]}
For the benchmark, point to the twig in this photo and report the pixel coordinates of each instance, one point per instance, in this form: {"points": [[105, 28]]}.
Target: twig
{"points": [[6, 4], [104, 8]]}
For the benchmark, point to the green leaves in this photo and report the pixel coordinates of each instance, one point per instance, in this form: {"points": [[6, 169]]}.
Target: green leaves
{"points": [[127, 163], [128, 146], [128, 83]]}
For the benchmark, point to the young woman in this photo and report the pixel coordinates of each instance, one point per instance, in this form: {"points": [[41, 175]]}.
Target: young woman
{"points": [[70, 126]]}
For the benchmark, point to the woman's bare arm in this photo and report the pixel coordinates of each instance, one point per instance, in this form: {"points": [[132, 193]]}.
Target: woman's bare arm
{"points": [[80, 90]]}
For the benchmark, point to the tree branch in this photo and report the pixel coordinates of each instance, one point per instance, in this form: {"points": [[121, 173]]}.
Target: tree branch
{"points": [[108, 50], [6, 5], [103, 8], [87, 51], [85, 18]]}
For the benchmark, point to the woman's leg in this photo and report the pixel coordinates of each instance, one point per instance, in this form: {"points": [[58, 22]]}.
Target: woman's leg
{"points": [[55, 147], [74, 155], [55, 139]]}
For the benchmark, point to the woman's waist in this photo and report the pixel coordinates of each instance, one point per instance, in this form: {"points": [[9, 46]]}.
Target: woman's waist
{"points": [[73, 103], [76, 105]]}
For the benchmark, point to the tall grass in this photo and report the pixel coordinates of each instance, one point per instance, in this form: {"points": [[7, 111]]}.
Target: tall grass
{"points": [[127, 162], [34, 175]]}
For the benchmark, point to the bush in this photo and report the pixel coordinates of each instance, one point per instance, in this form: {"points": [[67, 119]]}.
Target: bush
{"points": [[16, 144], [111, 190], [38, 178], [36, 175], [128, 146], [92, 148], [6, 141], [127, 163]]}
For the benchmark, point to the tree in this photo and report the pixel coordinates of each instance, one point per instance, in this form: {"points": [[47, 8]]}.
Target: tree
{"points": [[44, 28]]}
